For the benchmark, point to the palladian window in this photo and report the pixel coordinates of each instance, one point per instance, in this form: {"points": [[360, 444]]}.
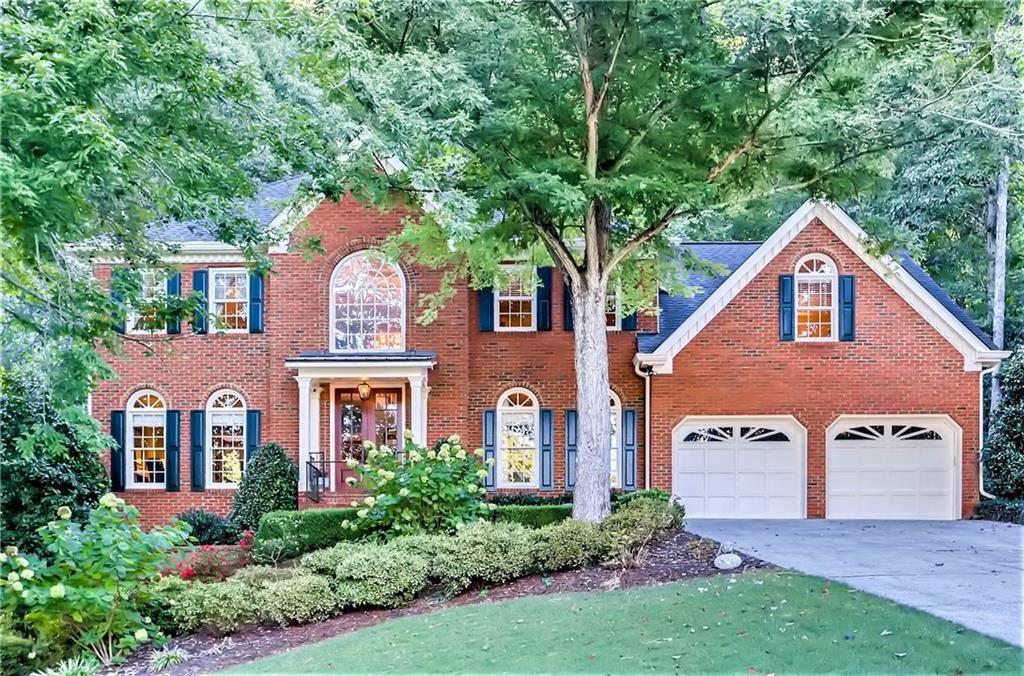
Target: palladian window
{"points": [[367, 304], [147, 441], [225, 419], [815, 298], [518, 430]]}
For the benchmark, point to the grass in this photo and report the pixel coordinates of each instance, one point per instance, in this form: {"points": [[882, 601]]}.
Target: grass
{"points": [[763, 622]]}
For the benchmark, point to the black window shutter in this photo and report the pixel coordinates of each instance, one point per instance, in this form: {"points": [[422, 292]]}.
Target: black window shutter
{"points": [[173, 483], [629, 449], [118, 297], [255, 303], [485, 297], [847, 308], [629, 322], [567, 318], [787, 312], [570, 449], [490, 421], [117, 461], [197, 433], [252, 434], [173, 291], [547, 449], [199, 285], [543, 299]]}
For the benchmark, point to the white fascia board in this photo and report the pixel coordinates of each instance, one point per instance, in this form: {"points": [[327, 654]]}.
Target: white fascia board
{"points": [[838, 221], [326, 369]]}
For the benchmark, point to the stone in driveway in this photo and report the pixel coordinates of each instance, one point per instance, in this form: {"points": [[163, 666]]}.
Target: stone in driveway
{"points": [[969, 572]]}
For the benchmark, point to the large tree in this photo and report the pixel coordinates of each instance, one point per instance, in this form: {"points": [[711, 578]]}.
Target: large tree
{"points": [[583, 131]]}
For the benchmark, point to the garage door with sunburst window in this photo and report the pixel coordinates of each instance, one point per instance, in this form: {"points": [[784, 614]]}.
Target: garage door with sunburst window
{"points": [[740, 468], [892, 468]]}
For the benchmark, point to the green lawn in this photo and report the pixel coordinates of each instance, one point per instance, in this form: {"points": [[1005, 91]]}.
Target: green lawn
{"points": [[764, 622]]}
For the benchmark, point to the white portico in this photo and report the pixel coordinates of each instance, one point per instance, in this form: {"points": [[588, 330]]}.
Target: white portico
{"points": [[372, 397]]}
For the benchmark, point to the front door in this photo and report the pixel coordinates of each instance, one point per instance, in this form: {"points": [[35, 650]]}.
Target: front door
{"points": [[377, 419]]}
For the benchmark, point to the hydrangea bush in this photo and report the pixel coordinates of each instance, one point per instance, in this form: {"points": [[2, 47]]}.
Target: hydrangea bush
{"points": [[419, 490], [92, 589]]}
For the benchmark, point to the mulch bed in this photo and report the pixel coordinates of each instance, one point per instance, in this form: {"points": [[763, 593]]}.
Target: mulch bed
{"points": [[679, 557]]}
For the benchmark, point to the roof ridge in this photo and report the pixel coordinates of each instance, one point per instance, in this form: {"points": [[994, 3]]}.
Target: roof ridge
{"points": [[720, 241]]}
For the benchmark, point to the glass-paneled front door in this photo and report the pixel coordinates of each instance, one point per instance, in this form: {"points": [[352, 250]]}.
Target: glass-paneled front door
{"points": [[377, 419]]}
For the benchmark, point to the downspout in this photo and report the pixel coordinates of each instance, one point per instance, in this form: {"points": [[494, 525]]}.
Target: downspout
{"points": [[981, 431], [647, 426]]}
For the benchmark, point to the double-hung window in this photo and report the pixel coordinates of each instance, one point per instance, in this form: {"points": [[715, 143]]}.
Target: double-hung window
{"points": [[816, 278], [229, 299], [518, 439], [225, 419], [615, 409], [153, 288], [515, 306], [147, 441], [613, 309]]}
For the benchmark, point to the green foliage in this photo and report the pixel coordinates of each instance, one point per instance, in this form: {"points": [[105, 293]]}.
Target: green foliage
{"points": [[255, 575], [534, 516], [483, 552], [1011, 511], [49, 457], [526, 499], [96, 583], [209, 528], [419, 490], [296, 600], [270, 483], [79, 665], [326, 561], [287, 534], [1011, 378], [569, 544], [621, 499], [1003, 453], [165, 658], [635, 526], [217, 607], [379, 576]]}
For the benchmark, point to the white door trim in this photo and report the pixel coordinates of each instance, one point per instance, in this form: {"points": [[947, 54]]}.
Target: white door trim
{"points": [[940, 419], [789, 421]]}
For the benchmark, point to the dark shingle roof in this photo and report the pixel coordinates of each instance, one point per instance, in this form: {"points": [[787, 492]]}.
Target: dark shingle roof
{"points": [[677, 309], [262, 208]]}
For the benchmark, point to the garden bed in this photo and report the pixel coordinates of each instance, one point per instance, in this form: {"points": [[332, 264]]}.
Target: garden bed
{"points": [[679, 557]]}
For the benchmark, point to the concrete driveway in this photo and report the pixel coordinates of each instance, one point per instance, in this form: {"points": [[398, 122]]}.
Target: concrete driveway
{"points": [[969, 572]]}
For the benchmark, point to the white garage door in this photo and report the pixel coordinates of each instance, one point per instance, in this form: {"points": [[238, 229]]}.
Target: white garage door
{"points": [[892, 469], [739, 468]]}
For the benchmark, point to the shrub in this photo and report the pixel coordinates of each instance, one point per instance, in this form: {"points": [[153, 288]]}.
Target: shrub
{"points": [[165, 658], [296, 600], [428, 547], [79, 665], [1004, 452], [622, 499], [1011, 511], [212, 564], [209, 528], [292, 533], [379, 576], [326, 561], [159, 607], [49, 458], [256, 575], [99, 578], [270, 483], [483, 552], [634, 526], [526, 499], [218, 607], [534, 516], [569, 544], [420, 490]]}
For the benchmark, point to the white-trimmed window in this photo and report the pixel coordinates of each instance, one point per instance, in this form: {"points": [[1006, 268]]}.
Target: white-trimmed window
{"points": [[367, 304], [816, 284], [229, 299], [515, 306], [616, 439], [153, 287], [518, 439], [146, 427], [613, 309], [225, 438]]}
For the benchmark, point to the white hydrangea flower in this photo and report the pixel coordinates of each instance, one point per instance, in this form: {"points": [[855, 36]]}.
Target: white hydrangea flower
{"points": [[408, 434], [16, 586], [64, 512], [362, 513], [404, 492], [141, 635], [369, 500], [352, 463], [431, 454], [482, 473], [479, 452], [57, 591], [455, 438], [461, 454], [27, 574]]}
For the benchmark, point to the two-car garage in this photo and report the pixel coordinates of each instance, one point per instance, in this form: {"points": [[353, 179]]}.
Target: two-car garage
{"points": [[875, 467]]}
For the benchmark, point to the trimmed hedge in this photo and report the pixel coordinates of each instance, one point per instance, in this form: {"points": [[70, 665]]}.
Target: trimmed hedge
{"points": [[534, 516], [1011, 511], [296, 533], [501, 499]]}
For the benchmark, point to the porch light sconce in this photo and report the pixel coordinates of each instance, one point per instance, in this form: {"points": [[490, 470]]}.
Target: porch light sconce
{"points": [[364, 390]]}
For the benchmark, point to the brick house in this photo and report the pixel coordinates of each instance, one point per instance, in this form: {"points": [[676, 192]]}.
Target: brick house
{"points": [[811, 379]]}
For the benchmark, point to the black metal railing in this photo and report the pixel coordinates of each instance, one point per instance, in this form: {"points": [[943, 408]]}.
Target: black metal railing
{"points": [[319, 473]]}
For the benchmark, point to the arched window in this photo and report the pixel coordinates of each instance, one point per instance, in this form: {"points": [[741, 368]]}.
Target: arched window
{"points": [[616, 439], [816, 277], [518, 441], [225, 438], [367, 304], [147, 441]]}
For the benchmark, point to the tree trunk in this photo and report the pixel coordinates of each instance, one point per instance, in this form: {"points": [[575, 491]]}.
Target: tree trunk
{"points": [[593, 427], [998, 301]]}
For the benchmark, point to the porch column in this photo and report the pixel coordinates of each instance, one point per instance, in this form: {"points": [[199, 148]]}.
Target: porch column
{"points": [[314, 424], [305, 389], [418, 406]]}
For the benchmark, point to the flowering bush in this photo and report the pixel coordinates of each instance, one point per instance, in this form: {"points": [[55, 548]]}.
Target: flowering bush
{"points": [[93, 590], [420, 490]]}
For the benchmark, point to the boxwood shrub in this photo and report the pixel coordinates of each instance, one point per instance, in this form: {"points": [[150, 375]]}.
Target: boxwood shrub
{"points": [[534, 516], [296, 533], [1011, 511]]}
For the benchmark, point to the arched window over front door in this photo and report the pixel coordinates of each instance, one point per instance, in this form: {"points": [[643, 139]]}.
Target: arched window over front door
{"points": [[816, 277], [518, 439], [367, 304]]}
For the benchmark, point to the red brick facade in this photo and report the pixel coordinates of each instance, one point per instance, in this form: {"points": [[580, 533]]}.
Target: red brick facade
{"points": [[736, 365]]}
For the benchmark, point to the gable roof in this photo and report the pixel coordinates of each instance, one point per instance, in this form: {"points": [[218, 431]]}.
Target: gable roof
{"points": [[684, 318]]}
